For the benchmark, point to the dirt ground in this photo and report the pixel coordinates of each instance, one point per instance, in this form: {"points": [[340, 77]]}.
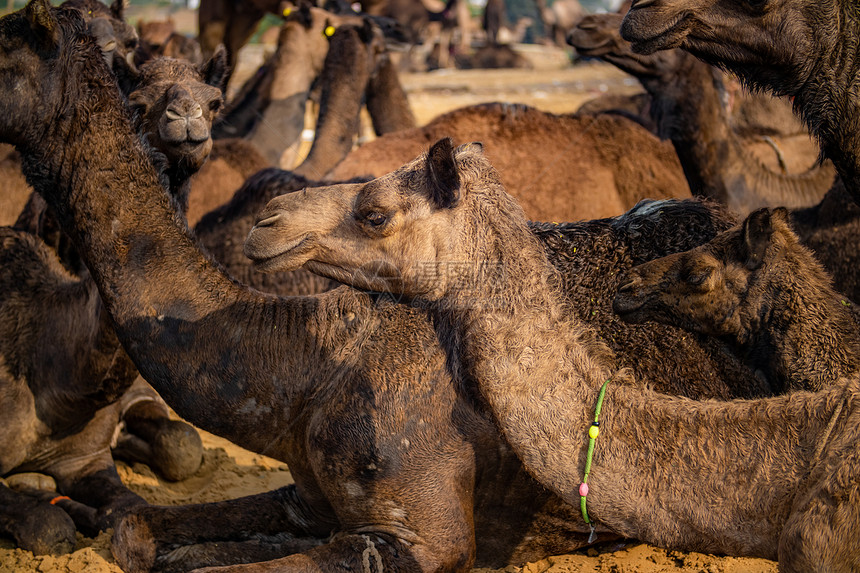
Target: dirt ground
{"points": [[228, 471]]}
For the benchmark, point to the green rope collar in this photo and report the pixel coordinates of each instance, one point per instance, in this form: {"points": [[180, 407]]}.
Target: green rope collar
{"points": [[593, 432]]}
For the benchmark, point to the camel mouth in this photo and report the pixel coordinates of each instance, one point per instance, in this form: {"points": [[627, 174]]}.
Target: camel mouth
{"points": [[585, 45], [643, 29], [627, 308], [287, 256]]}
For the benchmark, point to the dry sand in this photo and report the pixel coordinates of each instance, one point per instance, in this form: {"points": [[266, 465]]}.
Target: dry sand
{"points": [[228, 471]]}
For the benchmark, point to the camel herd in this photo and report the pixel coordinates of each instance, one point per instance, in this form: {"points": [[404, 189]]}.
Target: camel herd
{"points": [[425, 358]]}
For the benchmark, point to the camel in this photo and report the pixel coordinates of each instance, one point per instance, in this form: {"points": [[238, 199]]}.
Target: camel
{"points": [[269, 110], [116, 38], [72, 437], [560, 167], [319, 382], [62, 391], [559, 17], [758, 288], [798, 51], [349, 64], [776, 478], [687, 108], [159, 38]]}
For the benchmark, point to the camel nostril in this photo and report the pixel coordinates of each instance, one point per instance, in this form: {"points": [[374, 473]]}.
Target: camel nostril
{"points": [[196, 112], [268, 221], [173, 115], [109, 47], [627, 284]]}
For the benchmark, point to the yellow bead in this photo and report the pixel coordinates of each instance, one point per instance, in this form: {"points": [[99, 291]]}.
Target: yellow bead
{"points": [[329, 31], [287, 11], [593, 431]]}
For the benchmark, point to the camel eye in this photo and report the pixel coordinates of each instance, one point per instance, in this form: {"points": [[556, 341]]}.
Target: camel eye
{"points": [[375, 218], [215, 105], [697, 277]]}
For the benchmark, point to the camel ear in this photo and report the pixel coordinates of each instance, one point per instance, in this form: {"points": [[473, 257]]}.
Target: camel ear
{"points": [[214, 71], [366, 32], [117, 9], [757, 231], [444, 180], [42, 22]]}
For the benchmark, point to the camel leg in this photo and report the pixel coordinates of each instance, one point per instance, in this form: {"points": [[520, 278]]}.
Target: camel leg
{"points": [[172, 447], [35, 525], [142, 537], [820, 534]]}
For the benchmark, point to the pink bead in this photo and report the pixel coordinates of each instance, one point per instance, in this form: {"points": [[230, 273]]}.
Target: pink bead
{"points": [[583, 489]]}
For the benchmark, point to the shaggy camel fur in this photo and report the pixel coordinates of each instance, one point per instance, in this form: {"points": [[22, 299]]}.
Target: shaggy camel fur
{"points": [[758, 288], [775, 478], [686, 104], [803, 50], [560, 167], [318, 382]]}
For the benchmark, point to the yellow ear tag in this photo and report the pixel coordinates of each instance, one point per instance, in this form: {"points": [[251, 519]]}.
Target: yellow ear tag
{"points": [[329, 31], [287, 11]]}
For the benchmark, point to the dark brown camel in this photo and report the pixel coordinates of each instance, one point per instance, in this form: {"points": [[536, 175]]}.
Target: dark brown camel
{"points": [[686, 105], [318, 382], [81, 383], [61, 390], [777, 478], [560, 167], [805, 51], [759, 289]]}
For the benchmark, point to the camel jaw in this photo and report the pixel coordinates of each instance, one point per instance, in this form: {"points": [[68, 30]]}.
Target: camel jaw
{"points": [[647, 33], [271, 256]]}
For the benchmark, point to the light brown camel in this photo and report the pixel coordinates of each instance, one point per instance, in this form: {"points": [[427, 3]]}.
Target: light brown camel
{"points": [[686, 104], [806, 51], [269, 110], [560, 167], [776, 478], [319, 382], [759, 289]]}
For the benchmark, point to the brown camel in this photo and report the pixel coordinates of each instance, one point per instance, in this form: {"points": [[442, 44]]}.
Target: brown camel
{"points": [[686, 105], [805, 51], [318, 382], [158, 38], [776, 478], [269, 110], [758, 288], [560, 167]]}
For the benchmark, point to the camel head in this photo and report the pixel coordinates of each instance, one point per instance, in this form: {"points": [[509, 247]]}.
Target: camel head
{"points": [[714, 289], [176, 103], [396, 234], [599, 36], [115, 37], [773, 44], [36, 42]]}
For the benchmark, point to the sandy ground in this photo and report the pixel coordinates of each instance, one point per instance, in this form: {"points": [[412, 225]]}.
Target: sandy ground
{"points": [[228, 471]]}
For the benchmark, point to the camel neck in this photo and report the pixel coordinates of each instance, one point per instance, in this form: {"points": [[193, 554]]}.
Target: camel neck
{"points": [[659, 460], [829, 103], [803, 336], [203, 341], [688, 110]]}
